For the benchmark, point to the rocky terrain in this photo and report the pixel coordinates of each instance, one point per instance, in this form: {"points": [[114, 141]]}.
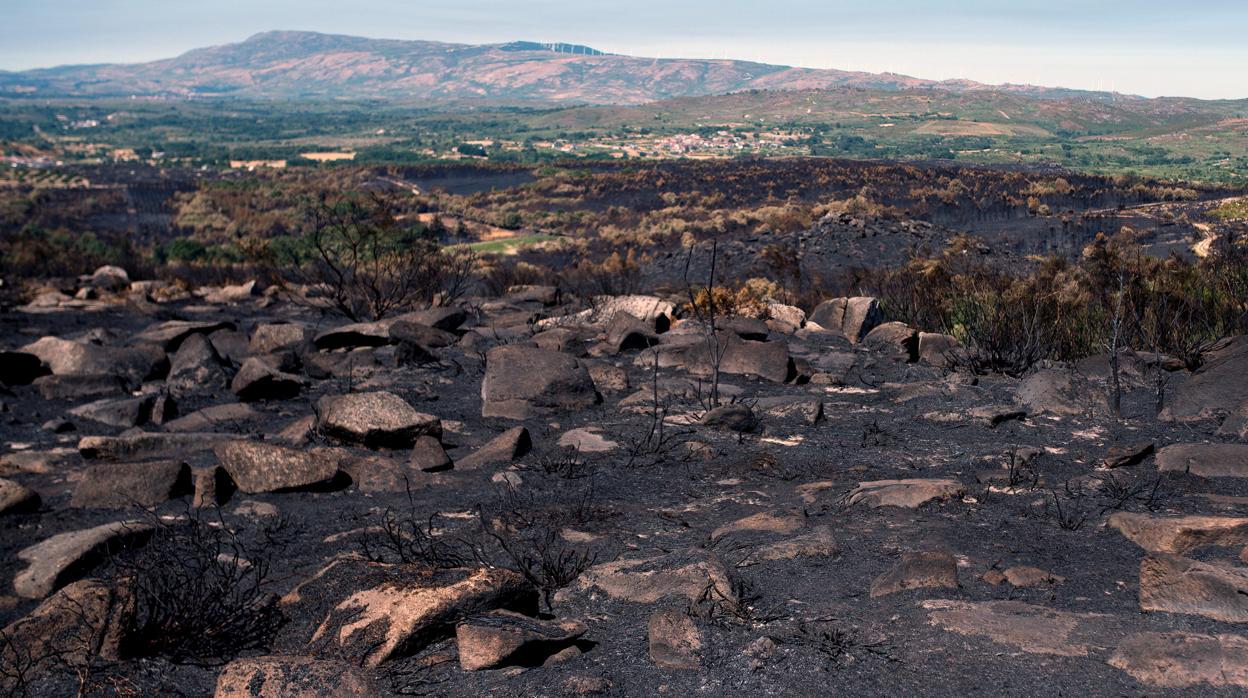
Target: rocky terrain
{"points": [[543, 495]]}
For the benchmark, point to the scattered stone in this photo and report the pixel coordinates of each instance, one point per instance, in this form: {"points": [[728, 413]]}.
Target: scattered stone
{"points": [[1205, 460], [524, 382], [682, 574], [65, 557], [1174, 584], [110, 278], [675, 641], [931, 570], [607, 378], [360, 334], [293, 677], [587, 440], [259, 467], [281, 336], [852, 318], [256, 380], [1024, 577], [505, 447], [1182, 534], [501, 638], [212, 487], [1183, 660], [394, 620], [907, 494], [375, 419], [122, 485], [808, 410], [429, 456], [17, 499], [738, 417], [232, 294]]}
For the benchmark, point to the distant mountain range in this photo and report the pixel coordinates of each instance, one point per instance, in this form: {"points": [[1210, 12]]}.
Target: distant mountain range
{"points": [[308, 65]]}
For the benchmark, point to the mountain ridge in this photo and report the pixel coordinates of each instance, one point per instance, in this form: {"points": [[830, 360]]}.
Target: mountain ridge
{"points": [[300, 64]]}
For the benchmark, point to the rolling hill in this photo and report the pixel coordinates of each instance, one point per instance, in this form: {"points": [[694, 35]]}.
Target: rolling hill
{"points": [[286, 65]]}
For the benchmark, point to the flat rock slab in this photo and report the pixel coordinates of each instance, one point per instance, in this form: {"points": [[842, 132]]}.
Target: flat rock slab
{"points": [[293, 677], [1174, 584], [65, 357], [925, 570], [85, 614], [674, 639], [1205, 460], [682, 574], [260, 467], [500, 638], [1180, 534], [375, 419], [1183, 660], [65, 557], [907, 494], [782, 523], [1029, 628], [17, 499], [122, 485], [587, 440], [123, 413], [377, 625]]}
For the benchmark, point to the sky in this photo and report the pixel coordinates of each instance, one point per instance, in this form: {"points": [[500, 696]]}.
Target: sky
{"points": [[1197, 48]]}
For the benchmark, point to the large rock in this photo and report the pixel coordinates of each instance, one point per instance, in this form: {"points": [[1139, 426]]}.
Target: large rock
{"points": [[499, 638], [122, 485], [1181, 534], [278, 336], [65, 557], [259, 467], [394, 620], [524, 382], [936, 349], [650, 309], [907, 494], [1174, 584], [110, 278], [767, 360], [197, 367], [1205, 460], [376, 419], [17, 499], [1219, 387], [896, 338], [64, 358], [853, 318], [83, 622], [293, 677], [1054, 392], [931, 570], [256, 380], [1183, 660]]}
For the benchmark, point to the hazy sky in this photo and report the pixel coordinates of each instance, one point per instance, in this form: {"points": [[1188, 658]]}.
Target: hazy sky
{"points": [[1195, 48]]}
